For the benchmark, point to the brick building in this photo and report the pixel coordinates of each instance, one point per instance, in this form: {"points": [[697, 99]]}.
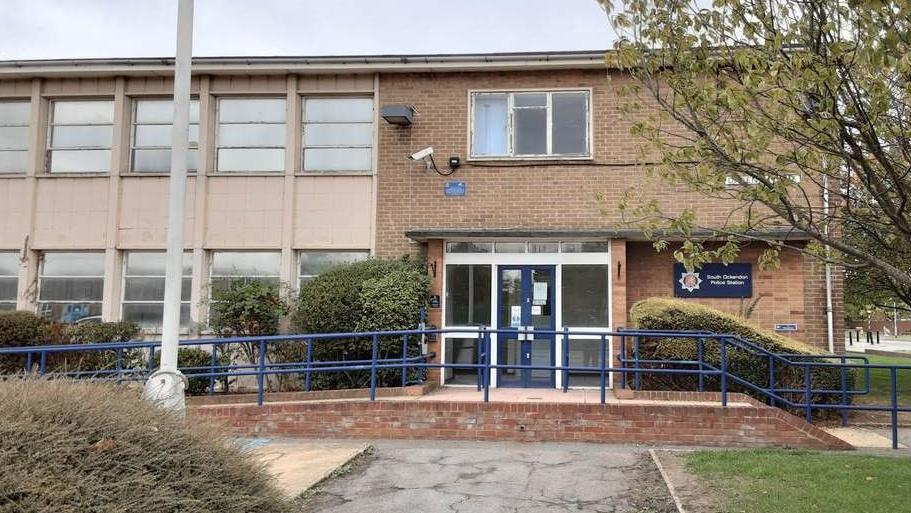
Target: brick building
{"points": [[296, 169]]}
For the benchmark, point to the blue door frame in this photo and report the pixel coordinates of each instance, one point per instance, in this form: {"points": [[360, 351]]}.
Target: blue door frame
{"points": [[528, 349]]}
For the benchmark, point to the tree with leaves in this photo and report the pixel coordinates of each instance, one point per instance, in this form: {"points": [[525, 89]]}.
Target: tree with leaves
{"points": [[796, 114]]}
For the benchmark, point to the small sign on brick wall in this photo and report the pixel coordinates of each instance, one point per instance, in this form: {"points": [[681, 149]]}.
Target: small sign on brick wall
{"points": [[714, 280], [786, 327], [454, 189]]}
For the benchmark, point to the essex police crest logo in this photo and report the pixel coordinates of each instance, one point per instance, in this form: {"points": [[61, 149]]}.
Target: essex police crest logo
{"points": [[690, 281]]}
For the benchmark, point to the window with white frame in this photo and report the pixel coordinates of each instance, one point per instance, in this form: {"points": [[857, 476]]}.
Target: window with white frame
{"points": [[151, 136], [70, 285], [543, 124], [251, 135], [143, 289], [338, 134], [14, 116], [81, 135], [9, 279], [232, 266], [313, 263]]}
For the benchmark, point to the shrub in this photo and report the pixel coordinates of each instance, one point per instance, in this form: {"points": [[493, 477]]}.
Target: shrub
{"points": [[68, 447], [94, 333], [372, 295], [19, 329], [673, 314], [249, 308]]}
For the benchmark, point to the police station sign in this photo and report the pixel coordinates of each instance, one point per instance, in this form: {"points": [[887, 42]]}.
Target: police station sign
{"points": [[714, 280]]}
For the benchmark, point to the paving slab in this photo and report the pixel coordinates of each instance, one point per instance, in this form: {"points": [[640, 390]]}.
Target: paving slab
{"points": [[861, 437], [444, 476], [300, 464]]}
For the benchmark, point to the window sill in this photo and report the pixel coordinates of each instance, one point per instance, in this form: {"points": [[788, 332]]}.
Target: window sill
{"points": [[247, 173], [531, 159], [335, 173], [13, 175], [73, 175]]}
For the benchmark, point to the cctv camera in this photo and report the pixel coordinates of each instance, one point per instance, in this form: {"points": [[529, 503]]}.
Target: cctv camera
{"points": [[426, 152]]}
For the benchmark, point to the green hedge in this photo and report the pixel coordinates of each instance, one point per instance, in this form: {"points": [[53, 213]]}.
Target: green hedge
{"points": [[28, 329], [674, 314], [373, 295], [195, 357]]}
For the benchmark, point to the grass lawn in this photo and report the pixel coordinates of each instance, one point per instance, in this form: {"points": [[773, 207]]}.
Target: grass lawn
{"points": [[879, 381], [770, 481]]}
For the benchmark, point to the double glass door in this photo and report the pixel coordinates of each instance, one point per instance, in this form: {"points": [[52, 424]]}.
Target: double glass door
{"points": [[526, 305]]}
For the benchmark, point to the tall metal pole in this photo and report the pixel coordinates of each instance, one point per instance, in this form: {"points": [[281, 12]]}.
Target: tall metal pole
{"points": [[166, 386]]}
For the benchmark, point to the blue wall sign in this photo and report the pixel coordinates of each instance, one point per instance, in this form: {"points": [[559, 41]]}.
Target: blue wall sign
{"points": [[714, 280], [786, 327], [454, 189]]}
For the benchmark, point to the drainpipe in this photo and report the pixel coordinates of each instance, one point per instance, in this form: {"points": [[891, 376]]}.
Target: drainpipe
{"points": [[830, 320]]}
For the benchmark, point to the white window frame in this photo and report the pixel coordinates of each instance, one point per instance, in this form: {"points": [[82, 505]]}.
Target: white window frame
{"points": [[510, 115], [42, 275], [370, 145], [219, 146], [11, 149], [299, 256], [123, 287], [6, 302], [50, 149], [134, 124], [240, 276]]}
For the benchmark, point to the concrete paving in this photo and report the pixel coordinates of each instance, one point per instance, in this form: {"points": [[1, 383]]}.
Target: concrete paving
{"points": [[464, 477], [863, 438], [300, 464]]}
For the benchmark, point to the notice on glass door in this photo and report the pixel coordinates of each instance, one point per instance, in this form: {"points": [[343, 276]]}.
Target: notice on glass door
{"points": [[540, 293], [515, 316]]}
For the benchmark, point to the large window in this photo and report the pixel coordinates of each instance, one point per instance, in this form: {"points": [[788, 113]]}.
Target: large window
{"points": [[313, 263], [467, 295], [232, 266], [251, 135], [338, 134], [9, 279], [530, 124], [14, 116], [152, 126], [81, 134], [71, 285], [585, 296], [143, 289]]}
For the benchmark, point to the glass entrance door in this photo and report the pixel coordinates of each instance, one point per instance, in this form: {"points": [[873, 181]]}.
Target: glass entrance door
{"points": [[525, 305]]}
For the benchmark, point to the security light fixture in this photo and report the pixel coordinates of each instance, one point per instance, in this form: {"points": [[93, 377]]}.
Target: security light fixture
{"points": [[399, 115]]}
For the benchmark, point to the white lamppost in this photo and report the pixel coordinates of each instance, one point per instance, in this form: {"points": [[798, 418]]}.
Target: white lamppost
{"points": [[166, 385]]}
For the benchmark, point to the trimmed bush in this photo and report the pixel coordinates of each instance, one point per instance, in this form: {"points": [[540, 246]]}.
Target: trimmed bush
{"points": [[674, 314], [19, 329], [68, 447], [372, 295]]}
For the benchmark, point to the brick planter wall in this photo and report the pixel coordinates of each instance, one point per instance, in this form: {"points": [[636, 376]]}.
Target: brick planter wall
{"points": [[743, 425]]}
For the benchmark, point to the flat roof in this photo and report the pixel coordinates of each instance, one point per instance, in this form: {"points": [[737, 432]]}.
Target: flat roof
{"points": [[423, 235], [585, 59]]}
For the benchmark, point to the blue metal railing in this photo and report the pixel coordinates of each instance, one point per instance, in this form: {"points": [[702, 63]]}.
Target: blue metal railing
{"points": [[630, 364]]}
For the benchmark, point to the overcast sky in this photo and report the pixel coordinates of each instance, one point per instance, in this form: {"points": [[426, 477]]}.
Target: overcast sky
{"points": [[52, 29]]}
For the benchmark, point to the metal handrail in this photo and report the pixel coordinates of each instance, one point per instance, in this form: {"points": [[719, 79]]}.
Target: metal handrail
{"points": [[484, 364]]}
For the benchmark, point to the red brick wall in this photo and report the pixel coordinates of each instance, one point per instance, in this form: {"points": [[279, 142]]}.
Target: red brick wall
{"points": [[656, 423], [516, 194], [795, 293]]}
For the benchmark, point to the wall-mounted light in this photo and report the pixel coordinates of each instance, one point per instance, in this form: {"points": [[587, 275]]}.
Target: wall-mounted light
{"points": [[399, 115]]}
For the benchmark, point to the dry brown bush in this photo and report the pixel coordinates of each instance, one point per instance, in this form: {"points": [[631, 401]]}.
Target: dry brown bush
{"points": [[68, 447]]}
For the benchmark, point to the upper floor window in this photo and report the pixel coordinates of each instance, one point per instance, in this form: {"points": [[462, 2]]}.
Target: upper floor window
{"points": [[152, 124], [251, 135], [143, 289], [539, 124], [71, 285], [9, 279], [313, 263], [14, 116], [338, 134], [233, 266], [81, 134]]}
